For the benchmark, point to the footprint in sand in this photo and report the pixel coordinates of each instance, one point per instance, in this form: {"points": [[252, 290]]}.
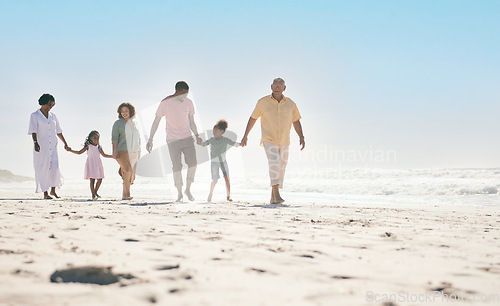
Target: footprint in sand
{"points": [[152, 299], [168, 267], [131, 240], [306, 256], [88, 275], [493, 270], [446, 288], [256, 270], [24, 273], [6, 252], [342, 277]]}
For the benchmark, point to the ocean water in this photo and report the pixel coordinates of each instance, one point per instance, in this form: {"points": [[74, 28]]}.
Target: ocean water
{"points": [[419, 186], [380, 187], [437, 182]]}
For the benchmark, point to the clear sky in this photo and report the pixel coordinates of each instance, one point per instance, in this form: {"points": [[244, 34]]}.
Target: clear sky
{"points": [[416, 82]]}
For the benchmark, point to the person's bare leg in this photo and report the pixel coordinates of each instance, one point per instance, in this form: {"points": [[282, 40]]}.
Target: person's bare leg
{"points": [[179, 194], [97, 185], [175, 156], [53, 192], [212, 186], [228, 189], [46, 195], [126, 185], [92, 189], [277, 195], [187, 192], [273, 194], [283, 161], [190, 159], [126, 171]]}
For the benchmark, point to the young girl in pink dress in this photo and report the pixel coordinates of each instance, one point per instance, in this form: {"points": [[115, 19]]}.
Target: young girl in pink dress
{"points": [[93, 167]]}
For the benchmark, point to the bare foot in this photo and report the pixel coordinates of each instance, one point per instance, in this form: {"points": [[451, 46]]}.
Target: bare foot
{"points": [[54, 194], [97, 196], [229, 199], [275, 195], [47, 197], [189, 195], [179, 198], [127, 198], [209, 199]]}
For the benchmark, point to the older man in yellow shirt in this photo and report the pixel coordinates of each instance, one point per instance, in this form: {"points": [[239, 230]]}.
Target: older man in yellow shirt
{"points": [[277, 113]]}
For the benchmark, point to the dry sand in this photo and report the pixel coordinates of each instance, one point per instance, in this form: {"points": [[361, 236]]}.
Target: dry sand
{"points": [[248, 253]]}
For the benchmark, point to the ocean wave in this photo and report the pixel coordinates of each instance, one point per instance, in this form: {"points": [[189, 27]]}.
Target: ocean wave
{"points": [[424, 182], [485, 190], [334, 173]]}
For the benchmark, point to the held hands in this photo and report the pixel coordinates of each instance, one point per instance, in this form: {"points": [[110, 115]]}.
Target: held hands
{"points": [[243, 142], [116, 155], [149, 146], [199, 141]]}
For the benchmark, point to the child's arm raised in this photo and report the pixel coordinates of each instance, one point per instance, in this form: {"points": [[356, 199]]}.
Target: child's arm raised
{"points": [[104, 154], [233, 143], [85, 148]]}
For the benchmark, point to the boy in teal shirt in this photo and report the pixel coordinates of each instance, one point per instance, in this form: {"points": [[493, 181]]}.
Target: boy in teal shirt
{"points": [[218, 147]]}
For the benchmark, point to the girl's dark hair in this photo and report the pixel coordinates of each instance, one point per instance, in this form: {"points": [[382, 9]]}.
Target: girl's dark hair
{"points": [[45, 99], [87, 140], [130, 107], [221, 125]]}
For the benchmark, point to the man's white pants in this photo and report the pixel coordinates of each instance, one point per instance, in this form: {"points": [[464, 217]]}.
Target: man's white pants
{"points": [[277, 158]]}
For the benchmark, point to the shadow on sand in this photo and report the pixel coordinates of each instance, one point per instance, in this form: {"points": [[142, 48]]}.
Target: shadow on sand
{"points": [[149, 204], [272, 206], [22, 199]]}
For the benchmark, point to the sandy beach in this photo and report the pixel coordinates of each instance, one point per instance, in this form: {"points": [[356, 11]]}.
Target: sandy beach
{"points": [[316, 250]]}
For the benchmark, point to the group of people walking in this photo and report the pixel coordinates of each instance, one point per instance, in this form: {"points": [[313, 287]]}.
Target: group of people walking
{"points": [[277, 113]]}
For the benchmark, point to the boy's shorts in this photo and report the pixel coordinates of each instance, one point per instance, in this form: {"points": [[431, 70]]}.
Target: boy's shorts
{"points": [[215, 169]]}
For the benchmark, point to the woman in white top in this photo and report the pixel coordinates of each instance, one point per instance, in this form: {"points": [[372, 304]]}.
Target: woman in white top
{"points": [[43, 128]]}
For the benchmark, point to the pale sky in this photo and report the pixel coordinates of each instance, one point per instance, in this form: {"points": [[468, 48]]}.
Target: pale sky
{"points": [[417, 80]]}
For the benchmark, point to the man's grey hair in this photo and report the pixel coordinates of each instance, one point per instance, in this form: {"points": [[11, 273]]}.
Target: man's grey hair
{"points": [[279, 80]]}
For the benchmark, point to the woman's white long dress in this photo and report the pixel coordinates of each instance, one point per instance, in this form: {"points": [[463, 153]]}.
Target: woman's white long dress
{"points": [[46, 162]]}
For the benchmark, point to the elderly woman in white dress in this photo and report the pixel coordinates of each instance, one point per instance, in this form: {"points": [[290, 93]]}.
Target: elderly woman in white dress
{"points": [[44, 127]]}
